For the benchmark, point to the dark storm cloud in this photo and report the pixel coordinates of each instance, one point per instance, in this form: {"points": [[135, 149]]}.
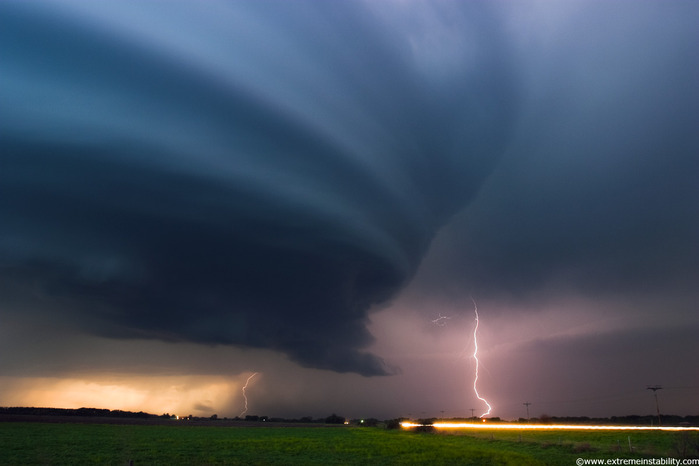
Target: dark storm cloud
{"points": [[597, 193], [249, 174], [605, 372]]}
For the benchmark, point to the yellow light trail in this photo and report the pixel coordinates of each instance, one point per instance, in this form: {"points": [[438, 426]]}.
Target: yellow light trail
{"points": [[493, 426]]}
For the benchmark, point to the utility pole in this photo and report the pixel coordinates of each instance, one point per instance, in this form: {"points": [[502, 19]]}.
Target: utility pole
{"points": [[655, 389], [527, 405], [472, 410]]}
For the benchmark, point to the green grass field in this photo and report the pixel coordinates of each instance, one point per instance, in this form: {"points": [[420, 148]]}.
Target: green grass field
{"points": [[47, 443]]}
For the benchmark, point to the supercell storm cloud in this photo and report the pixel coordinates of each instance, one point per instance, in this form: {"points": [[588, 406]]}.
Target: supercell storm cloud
{"points": [[258, 174]]}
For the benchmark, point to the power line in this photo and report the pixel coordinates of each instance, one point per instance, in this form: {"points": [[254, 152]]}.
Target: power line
{"points": [[527, 405], [655, 389]]}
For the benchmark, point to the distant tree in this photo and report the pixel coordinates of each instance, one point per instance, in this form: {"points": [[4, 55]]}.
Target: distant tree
{"points": [[393, 424], [214, 417], [334, 419], [426, 425]]}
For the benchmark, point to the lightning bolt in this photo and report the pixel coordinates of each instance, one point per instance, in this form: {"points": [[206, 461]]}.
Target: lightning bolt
{"points": [[441, 321], [475, 356], [245, 397]]}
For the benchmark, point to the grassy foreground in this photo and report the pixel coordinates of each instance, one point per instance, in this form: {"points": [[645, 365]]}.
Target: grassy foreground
{"points": [[45, 443]]}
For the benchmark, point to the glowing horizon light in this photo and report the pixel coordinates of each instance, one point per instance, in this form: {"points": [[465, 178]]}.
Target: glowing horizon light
{"points": [[475, 356], [497, 426], [157, 393]]}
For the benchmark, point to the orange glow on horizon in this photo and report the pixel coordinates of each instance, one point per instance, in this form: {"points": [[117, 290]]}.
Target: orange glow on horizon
{"points": [[496, 426], [198, 395]]}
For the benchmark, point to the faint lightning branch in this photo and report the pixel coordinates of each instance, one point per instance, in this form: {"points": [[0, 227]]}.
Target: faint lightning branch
{"points": [[441, 320], [475, 356], [245, 397]]}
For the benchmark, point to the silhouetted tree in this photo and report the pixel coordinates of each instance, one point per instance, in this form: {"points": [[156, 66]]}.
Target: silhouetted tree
{"points": [[334, 419], [393, 424]]}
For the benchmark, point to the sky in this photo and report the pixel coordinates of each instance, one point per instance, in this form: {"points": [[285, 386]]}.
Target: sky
{"points": [[323, 194]]}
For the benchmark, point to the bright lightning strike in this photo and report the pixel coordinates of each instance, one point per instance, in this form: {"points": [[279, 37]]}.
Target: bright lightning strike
{"points": [[245, 397], [475, 356]]}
